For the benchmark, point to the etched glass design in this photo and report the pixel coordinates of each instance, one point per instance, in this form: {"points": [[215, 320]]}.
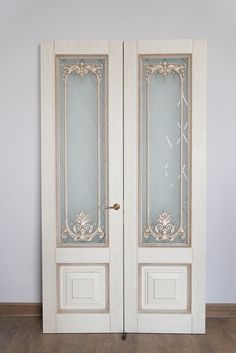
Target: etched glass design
{"points": [[164, 149], [81, 148]]}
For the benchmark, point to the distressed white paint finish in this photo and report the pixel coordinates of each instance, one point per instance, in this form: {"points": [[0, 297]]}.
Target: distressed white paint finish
{"points": [[165, 255], [113, 255], [71, 255], [199, 111], [48, 186], [115, 162], [130, 186], [134, 321], [82, 47], [194, 321], [183, 46], [163, 287], [83, 323], [164, 323], [83, 287]]}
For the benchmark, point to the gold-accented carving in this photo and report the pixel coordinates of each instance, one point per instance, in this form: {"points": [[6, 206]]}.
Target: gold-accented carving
{"points": [[82, 228], [164, 229], [83, 69], [164, 69]]}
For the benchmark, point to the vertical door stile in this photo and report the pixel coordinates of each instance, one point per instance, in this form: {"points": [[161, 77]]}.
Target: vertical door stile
{"points": [[48, 186], [116, 183], [199, 129], [130, 185]]}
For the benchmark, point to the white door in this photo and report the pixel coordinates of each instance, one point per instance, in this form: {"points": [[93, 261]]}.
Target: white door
{"points": [[164, 185], [82, 175], [123, 240]]}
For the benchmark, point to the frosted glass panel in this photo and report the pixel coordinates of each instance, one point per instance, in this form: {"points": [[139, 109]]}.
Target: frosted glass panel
{"points": [[81, 145], [164, 150]]}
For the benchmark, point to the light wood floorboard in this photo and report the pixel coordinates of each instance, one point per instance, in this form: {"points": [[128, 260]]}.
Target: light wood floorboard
{"points": [[24, 335]]}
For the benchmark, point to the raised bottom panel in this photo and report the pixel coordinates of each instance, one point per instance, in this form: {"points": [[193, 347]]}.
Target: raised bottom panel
{"points": [[164, 288], [83, 288]]}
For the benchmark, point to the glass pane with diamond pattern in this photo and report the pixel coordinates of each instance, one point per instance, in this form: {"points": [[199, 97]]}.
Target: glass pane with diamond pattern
{"points": [[164, 132], [82, 143]]}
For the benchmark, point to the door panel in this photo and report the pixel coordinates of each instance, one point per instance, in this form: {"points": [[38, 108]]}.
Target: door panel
{"points": [[83, 288], [82, 152], [164, 129], [82, 141], [164, 288], [164, 217]]}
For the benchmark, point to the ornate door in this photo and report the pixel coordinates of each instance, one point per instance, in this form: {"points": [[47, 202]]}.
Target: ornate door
{"points": [[82, 186], [123, 207], [164, 164]]}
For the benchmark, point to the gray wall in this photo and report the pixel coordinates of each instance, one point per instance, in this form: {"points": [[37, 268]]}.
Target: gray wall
{"points": [[23, 24]]}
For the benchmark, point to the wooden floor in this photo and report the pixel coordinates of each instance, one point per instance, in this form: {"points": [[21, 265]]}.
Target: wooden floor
{"points": [[24, 335]]}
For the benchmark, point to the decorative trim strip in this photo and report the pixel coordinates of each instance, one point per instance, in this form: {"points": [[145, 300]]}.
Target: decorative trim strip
{"points": [[222, 310], [213, 310], [164, 229], [21, 309], [82, 228]]}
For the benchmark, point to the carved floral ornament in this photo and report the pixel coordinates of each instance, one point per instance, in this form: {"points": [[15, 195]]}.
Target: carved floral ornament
{"points": [[164, 69], [82, 228], [164, 229], [83, 69]]}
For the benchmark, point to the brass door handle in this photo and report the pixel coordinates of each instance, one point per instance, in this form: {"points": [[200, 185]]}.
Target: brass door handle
{"points": [[115, 207]]}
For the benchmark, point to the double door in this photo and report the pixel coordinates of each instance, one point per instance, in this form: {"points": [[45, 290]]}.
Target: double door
{"points": [[123, 185]]}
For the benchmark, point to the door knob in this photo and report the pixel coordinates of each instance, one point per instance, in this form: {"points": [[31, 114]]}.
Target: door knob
{"points": [[115, 207]]}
